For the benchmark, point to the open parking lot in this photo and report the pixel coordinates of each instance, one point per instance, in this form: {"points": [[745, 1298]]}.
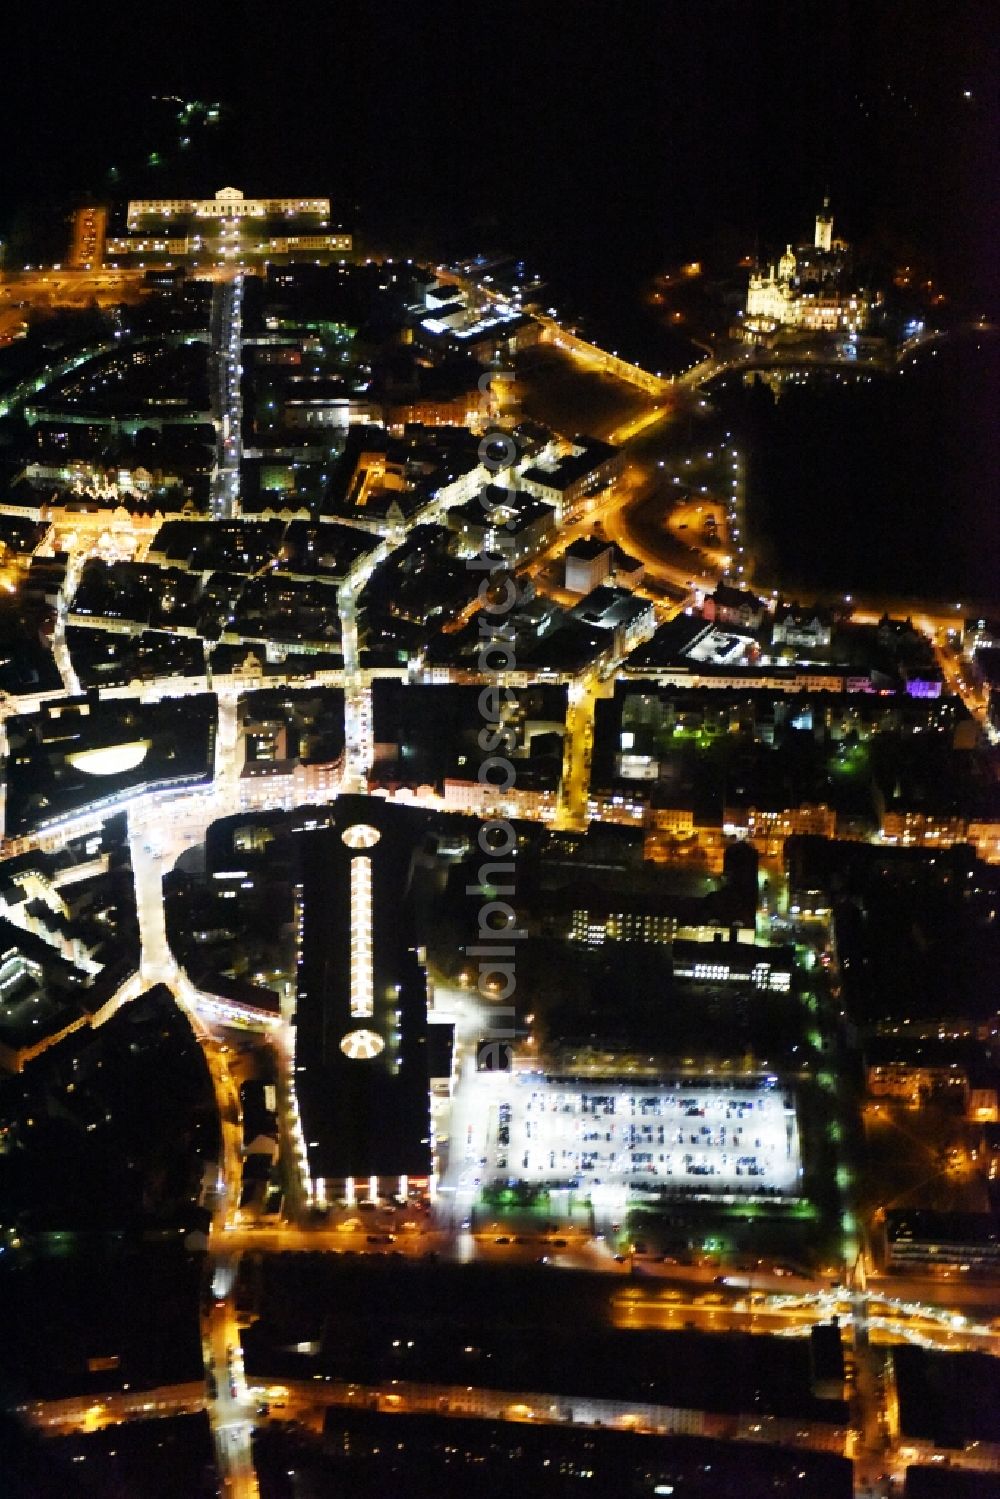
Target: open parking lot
{"points": [[586, 1133]]}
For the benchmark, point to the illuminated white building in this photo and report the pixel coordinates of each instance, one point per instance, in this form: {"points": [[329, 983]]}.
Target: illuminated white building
{"points": [[809, 289], [823, 237], [227, 229]]}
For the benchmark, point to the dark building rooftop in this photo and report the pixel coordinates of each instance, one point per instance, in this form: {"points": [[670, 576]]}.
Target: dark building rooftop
{"points": [[153, 1459], [81, 753], [424, 733], [736, 598], [42, 992], [375, 1453], [668, 645], [924, 1226], [947, 1398], [513, 1328], [610, 608], [586, 548], [361, 1053], [950, 1483], [575, 466]]}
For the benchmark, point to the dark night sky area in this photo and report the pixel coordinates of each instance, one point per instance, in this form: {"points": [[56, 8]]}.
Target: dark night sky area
{"points": [[585, 134]]}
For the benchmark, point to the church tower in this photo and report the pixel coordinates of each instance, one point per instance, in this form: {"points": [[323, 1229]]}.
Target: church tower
{"points": [[824, 226]]}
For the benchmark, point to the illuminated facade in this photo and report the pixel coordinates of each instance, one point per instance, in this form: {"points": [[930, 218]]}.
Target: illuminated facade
{"points": [[770, 826], [809, 289], [734, 962], [914, 1083], [228, 229], [595, 927], [923, 829], [985, 839], [823, 237]]}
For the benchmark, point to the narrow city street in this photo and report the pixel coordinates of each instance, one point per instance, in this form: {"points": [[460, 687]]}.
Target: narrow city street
{"points": [[228, 1407], [226, 343]]}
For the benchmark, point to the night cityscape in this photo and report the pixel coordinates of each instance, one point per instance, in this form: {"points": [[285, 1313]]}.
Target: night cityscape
{"points": [[500, 752]]}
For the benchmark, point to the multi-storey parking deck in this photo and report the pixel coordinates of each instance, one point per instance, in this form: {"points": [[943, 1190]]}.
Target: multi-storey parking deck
{"points": [[672, 1134]]}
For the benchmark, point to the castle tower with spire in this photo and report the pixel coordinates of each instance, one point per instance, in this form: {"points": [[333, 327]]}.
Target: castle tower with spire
{"points": [[812, 288], [824, 226]]}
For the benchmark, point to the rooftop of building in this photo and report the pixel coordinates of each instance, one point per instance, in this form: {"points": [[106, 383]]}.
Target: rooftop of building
{"points": [[947, 1398], [734, 598], [79, 753], [589, 453], [987, 660], [949, 1482], [121, 1457], [742, 955], [495, 505], [41, 992], [526, 1331], [669, 643], [624, 563], [587, 548], [806, 613], [547, 1455], [927, 1226], [607, 608], [364, 1108]]}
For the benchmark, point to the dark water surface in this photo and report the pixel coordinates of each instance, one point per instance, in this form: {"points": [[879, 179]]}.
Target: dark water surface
{"points": [[887, 486]]}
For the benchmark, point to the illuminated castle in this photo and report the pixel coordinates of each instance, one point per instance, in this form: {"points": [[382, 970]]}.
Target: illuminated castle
{"points": [[810, 288]]}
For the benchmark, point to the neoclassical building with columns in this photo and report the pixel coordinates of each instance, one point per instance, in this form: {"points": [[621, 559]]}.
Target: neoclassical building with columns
{"points": [[228, 229]]}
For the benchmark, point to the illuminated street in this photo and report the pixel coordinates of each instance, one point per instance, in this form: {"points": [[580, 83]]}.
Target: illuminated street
{"points": [[226, 328]]}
